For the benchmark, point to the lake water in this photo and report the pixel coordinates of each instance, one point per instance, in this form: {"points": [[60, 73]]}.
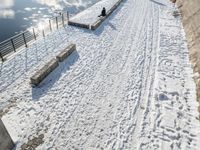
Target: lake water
{"points": [[18, 15]]}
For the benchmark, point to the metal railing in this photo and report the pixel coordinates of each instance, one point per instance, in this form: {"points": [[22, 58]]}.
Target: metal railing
{"points": [[23, 39]]}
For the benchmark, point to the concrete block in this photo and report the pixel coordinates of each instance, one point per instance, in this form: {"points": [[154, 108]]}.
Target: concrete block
{"points": [[111, 10], [66, 52], [86, 26], [44, 72], [96, 24], [6, 143]]}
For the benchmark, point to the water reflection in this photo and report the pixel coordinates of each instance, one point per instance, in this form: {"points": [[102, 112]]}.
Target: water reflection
{"points": [[5, 9], [18, 15], [55, 4]]}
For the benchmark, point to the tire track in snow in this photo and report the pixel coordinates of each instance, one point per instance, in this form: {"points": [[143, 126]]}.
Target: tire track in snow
{"points": [[127, 124], [152, 36]]}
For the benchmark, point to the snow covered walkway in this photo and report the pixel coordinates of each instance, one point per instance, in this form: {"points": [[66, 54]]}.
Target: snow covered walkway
{"points": [[128, 86]]}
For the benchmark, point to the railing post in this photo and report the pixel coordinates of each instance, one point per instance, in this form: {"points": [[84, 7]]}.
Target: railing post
{"points": [[24, 40], [13, 45], [1, 57], [50, 25], [67, 16], [34, 34], [57, 22], [43, 34], [63, 20]]}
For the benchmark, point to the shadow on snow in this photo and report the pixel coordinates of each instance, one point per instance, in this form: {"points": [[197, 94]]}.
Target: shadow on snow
{"points": [[161, 4]]}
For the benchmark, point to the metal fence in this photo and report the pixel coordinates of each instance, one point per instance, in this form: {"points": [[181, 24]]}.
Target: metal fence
{"points": [[25, 38]]}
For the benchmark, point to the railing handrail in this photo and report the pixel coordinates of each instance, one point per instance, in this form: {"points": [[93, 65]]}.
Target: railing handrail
{"points": [[22, 39], [15, 36], [25, 31]]}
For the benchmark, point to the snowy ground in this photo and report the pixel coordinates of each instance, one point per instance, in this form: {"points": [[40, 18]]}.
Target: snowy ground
{"points": [[128, 86]]}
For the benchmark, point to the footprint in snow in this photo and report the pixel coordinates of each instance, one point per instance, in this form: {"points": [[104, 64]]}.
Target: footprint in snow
{"points": [[162, 97]]}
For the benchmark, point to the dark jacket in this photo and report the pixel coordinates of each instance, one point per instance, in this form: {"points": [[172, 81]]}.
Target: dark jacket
{"points": [[103, 12]]}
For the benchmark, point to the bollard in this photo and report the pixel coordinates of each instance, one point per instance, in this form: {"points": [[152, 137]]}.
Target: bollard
{"points": [[1, 57], [13, 45], [24, 40], [43, 34], [67, 16], [50, 25], [63, 20], [34, 34], [57, 22]]}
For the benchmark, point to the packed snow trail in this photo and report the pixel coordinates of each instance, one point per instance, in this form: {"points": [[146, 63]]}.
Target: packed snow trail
{"points": [[128, 86]]}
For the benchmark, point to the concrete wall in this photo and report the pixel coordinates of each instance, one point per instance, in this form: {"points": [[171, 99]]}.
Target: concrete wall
{"points": [[86, 26], [190, 11], [6, 142]]}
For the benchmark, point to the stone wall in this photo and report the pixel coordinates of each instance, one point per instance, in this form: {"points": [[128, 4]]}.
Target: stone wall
{"points": [[86, 26], [190, 11]]}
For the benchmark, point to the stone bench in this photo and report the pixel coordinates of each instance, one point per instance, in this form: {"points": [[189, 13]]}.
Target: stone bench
{"points": [[66, 52], [86, 26], [44, 72], [51, 65]]}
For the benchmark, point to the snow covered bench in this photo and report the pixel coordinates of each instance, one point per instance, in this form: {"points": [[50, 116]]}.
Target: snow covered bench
{"points": [[51, 65], [66, 52], [44, 72]]}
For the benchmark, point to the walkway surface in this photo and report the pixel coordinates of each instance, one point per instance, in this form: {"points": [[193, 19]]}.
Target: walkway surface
{"points": [[128, 86]]}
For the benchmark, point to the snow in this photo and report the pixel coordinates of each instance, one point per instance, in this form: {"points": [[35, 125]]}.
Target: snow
{"points": [[129, 85]]}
